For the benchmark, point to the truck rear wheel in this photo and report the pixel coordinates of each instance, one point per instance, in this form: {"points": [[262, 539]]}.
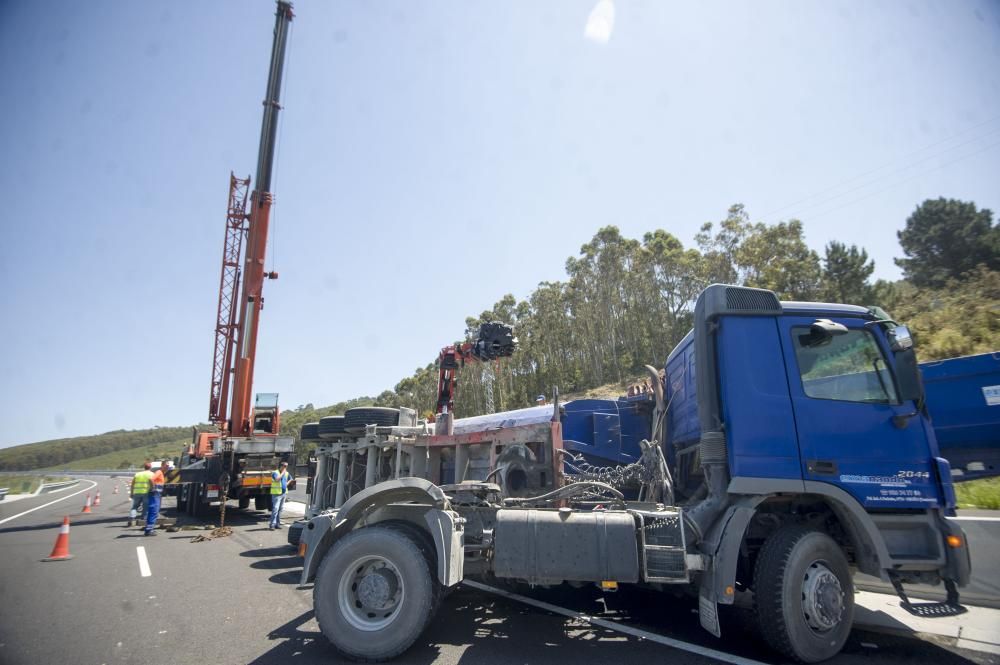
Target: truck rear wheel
{"points": [[196, 502], [262, 502], [804, 594], [374, 593], [244, 502]]}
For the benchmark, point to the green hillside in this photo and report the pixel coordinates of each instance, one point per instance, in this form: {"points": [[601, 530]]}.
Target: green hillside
{"points": [[123, 459], [121, 449], [57, 452]]}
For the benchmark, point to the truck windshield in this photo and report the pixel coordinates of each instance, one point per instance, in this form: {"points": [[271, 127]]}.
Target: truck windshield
{"points": [[848, 368]]}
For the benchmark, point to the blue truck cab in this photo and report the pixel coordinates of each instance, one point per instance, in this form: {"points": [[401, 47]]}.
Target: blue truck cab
{"points": [[813, 412], [825, 410]]}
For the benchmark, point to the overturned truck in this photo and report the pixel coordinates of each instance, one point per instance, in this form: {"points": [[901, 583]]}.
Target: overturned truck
{"points": [[784, 446]]}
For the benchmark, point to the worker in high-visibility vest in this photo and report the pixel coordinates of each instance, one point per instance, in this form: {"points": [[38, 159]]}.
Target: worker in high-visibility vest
{"points": [[155, 495], [279, 490], [139, 492]]}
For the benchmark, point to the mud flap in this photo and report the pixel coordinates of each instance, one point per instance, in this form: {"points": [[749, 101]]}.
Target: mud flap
{"points": [[708, 614]]}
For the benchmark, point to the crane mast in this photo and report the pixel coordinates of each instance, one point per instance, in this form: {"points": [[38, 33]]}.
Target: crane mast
{"points": [[236, 335]]}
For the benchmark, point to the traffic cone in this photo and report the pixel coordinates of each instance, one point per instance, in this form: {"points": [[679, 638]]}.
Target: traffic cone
{"points": [[97, 499], [60, 552], [86, 506]]}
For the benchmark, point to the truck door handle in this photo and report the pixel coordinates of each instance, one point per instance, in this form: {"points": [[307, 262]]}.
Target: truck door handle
{"points": [[821, 466], [903, 419]]}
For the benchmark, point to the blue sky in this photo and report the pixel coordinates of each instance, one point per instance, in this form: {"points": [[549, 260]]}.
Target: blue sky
{"points": [[433, 156]]}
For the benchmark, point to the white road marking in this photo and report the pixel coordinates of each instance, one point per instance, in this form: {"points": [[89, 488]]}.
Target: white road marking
{"points": [[621, 628], [68, 496], [971, 518], [143, 561]]}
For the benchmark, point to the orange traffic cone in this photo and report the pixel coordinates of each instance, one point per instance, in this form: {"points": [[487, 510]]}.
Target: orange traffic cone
{"points": [[97, 499], [61, 550], [86, 506]]}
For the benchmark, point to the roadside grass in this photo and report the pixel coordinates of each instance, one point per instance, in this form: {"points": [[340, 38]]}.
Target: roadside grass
{"points": [[123, 459], [26, 484], [983, 493]]}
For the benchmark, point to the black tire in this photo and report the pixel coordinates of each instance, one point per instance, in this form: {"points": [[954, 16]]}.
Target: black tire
{"points": [[330, 427], [197, 506], [374, 634], [309, 432], [804, 594], [355, 420], [262, 502], [244, 502], [295, 532]]}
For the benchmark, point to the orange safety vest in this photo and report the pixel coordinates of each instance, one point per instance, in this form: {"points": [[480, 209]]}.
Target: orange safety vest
{"points": [[157, 481]]}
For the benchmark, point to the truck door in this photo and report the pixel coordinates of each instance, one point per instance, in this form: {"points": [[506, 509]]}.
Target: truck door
{"points": [[844, 397]]}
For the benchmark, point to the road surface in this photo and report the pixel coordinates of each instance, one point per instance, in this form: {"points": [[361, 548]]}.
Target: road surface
{"points": [[125, 598]]}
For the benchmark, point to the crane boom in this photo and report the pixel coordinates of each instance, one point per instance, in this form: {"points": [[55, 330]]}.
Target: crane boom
{"points": [[236, 337], [229, 292]]}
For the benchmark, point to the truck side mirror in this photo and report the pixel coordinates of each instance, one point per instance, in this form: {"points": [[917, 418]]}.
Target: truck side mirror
{"points": [[821, 331], [900, 338], [908, 374]]}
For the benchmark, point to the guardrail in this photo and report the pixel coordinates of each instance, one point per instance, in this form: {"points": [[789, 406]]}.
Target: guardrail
{"points": [[52, 487], [72, 472], [3, 492]]}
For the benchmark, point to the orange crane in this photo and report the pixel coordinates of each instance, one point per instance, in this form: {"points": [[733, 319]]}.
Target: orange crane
{"points": [[235, 459]]}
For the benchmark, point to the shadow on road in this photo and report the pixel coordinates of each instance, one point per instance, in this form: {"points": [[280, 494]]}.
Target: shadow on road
{"points": [[264, 552], [73, 521], [478, 628], [277, 558], [473, 628]]}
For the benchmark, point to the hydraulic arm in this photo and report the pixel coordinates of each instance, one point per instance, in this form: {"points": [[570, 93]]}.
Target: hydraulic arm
{"points": [[495, 340]]}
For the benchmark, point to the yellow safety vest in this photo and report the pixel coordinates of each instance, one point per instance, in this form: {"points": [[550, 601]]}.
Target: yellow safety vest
{"points": [[141, 482], [276, 484]]}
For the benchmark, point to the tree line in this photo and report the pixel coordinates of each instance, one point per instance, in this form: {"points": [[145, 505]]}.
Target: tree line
{"points": [[626, 302]]}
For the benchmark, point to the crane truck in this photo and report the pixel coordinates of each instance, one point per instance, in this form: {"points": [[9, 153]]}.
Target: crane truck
{"points": [[235, 457], [786, 446]]}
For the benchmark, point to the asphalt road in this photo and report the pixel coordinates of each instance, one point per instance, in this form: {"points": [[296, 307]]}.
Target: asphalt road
{"points": [[236, 600]]}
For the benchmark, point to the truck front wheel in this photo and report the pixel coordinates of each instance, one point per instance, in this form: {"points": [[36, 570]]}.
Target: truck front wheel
{"points": [[374, 593], [804, 594]]}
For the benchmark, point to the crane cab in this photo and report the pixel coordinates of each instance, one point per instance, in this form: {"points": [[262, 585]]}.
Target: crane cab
{"points": [[266, 415]]}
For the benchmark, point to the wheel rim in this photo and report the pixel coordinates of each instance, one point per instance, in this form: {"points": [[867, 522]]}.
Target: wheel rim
{"points": [[371, 593], [822, 598]]}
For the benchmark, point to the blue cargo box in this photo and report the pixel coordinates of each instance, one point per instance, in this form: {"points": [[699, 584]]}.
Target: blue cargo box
{"points": [[963, 398]]}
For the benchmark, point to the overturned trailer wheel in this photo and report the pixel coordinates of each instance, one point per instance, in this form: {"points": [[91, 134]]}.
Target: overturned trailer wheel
{"points": [[375, 593]]}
